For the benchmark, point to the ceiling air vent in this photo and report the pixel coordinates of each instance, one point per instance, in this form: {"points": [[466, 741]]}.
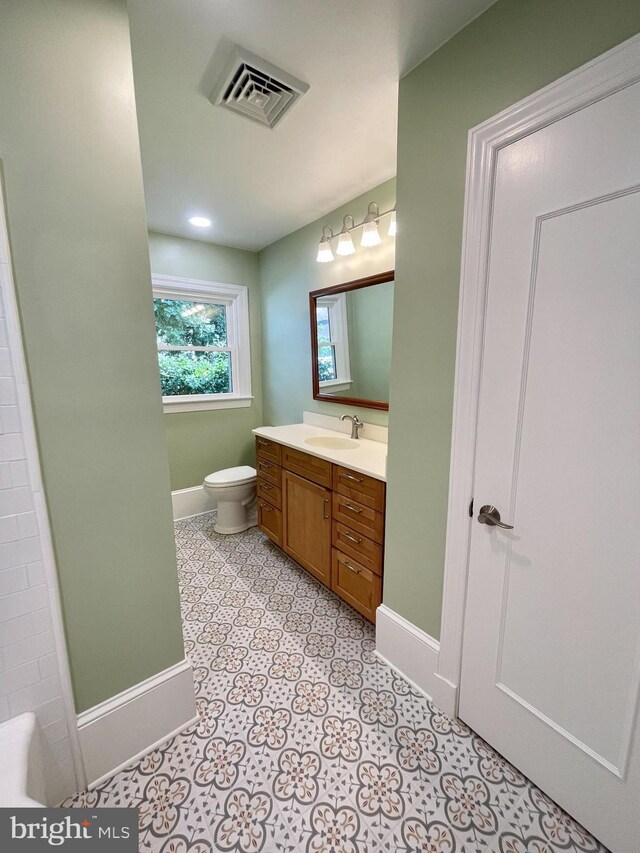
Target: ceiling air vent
{"points": [[255, 89]]}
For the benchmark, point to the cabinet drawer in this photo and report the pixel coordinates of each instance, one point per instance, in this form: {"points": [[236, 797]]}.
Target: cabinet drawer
{"points": [[270, 521], [354, 583], [270, 493], [366, 551], [357, 517], [268, 449], [365, 490], [269, 471], [309, 467]]}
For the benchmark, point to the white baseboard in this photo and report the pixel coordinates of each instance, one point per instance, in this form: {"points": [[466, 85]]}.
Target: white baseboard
{"points": [[414, 655], [189, 502], [127, 726]]}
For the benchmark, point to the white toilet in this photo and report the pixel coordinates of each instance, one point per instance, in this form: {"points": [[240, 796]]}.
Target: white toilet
{"points": [[234, 489]]}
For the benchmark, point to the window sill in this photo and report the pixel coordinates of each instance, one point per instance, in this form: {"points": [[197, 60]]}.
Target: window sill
{"points": [[335, 385], [181, 405]]}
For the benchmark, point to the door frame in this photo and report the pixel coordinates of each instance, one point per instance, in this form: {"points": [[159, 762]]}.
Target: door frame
{"points": [[609, 73]]}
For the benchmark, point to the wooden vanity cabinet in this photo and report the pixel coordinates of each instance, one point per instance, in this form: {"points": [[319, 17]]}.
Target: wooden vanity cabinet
{"points": [[328, 518]]}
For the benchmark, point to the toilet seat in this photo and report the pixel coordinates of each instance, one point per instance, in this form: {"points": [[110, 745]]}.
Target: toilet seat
{"points": [[237, 476]]}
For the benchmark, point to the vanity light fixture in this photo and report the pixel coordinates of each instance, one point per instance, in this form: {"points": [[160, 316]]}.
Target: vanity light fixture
{"points": [[200, 221], [325, 253], [370, 233], [345, 243]]}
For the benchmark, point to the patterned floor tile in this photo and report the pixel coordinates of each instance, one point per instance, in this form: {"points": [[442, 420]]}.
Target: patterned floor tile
{"points": [[306, 741]]}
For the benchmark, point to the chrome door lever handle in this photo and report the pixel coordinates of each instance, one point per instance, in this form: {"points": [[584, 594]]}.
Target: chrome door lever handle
{"points": [[489, 515]]}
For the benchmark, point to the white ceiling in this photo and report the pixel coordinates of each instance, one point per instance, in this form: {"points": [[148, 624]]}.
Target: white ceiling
{"points": [[256, 184]]}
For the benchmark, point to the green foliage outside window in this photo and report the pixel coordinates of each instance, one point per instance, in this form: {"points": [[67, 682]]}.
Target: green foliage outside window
{"points": [[326, 363], [194, 373], [190, 323], [181, 323]]}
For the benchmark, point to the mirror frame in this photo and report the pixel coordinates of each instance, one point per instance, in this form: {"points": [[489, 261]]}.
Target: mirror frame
{"points": [[357, 284]]}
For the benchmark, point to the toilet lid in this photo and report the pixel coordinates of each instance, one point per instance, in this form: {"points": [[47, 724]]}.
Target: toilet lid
{"points": [[231, 476]]}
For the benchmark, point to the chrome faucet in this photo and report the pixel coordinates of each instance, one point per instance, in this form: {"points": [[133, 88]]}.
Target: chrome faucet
{"points": [[355, 424]]}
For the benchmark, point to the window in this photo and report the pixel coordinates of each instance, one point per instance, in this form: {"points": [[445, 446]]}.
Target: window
{"points": [[202, 331], [333, 342]]}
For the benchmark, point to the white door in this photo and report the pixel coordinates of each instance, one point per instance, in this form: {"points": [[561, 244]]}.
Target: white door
{"points": [[551, 656]]}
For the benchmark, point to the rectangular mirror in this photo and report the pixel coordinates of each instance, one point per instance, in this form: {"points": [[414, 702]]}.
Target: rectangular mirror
{"points": [[351, 327]]}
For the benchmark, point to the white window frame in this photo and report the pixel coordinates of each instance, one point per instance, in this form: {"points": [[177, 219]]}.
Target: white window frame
{"points": [[339, 328], [236, 299]]}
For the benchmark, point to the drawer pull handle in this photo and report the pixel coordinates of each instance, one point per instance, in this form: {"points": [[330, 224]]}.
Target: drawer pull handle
{"points": [[350, 567], [266, 486], [355, 539], [266, 465], [325, 509], [263, 443], [352, 508], [266, 507], [351, 477]]}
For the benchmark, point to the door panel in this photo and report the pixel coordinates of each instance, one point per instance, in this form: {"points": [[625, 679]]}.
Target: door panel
{"points": [[574, 481], [551, 661]]}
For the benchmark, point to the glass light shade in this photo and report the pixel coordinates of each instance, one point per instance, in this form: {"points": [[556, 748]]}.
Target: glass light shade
{"points": [[370, 235], [393, 227], [345, 244], [324, 252]]}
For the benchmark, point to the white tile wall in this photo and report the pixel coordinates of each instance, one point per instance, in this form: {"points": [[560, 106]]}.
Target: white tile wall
{"points": [[29, 664]]}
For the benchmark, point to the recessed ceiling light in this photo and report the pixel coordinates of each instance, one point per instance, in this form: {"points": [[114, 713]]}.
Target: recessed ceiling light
{"points": [[200, 221]]}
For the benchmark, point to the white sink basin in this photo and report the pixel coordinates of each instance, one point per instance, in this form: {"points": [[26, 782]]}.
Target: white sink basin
{"points": [[331, 443]]}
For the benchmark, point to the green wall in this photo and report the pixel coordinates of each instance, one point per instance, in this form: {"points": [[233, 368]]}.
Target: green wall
{"points": [[370, 313], [202, 442], [513, 49], [76, 216], [288, 272]]}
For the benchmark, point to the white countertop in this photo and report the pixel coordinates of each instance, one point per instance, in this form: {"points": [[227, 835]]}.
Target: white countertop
{"points": [[370, 457]]}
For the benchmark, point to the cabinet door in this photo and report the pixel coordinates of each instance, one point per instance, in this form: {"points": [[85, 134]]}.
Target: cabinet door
{"points": [[307, 525]]}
